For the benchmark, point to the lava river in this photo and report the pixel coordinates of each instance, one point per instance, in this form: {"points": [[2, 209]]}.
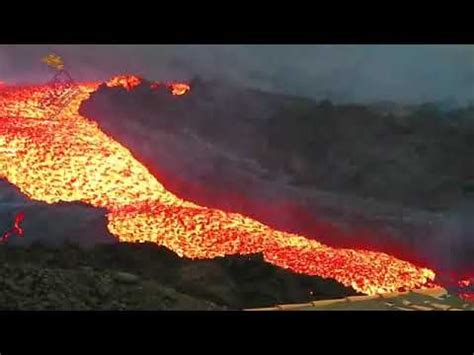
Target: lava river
{"points": [[56, 155]]}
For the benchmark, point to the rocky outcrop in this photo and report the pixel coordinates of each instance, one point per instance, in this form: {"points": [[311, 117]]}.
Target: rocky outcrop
{"points": [[29, 287], [138, 276], [51, 223]]}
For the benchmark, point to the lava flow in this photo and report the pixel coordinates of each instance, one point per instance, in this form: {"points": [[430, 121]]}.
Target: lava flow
{"points": [[59, 155], [17, 229], [129, 82], [466, 289]]}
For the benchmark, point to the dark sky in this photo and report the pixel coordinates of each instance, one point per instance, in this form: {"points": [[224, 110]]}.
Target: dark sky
{"points": [[407, 73]]}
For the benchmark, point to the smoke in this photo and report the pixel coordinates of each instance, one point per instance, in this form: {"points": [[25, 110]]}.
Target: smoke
{"points": [[358, 73], [456, 236]]}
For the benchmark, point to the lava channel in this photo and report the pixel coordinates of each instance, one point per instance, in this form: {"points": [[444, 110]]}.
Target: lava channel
{"points": [[52, 154]]}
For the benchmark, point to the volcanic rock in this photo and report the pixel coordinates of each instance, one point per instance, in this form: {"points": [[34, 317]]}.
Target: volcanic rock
{"points": [[58, 223], [147, 276], [126, 278], [72, 289]]}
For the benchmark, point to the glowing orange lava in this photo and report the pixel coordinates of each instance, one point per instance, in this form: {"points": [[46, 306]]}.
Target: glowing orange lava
{"points": [[467, 296], [467, 289], [17, 229], [154, 85], [127, 81], [66, 157], [179, 89]]}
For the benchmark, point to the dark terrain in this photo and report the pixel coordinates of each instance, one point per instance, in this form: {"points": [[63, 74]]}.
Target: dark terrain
{"points": [[147, 277]]}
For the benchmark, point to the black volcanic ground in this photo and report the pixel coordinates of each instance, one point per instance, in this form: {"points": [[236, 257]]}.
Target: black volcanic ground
{"points": [[147, 277]]}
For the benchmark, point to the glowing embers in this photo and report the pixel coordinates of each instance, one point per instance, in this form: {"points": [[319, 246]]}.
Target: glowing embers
{"points": [[127, 81], [16, 230], [175, 88], [179, 89], [465, 283], [70, 158], [130, 82], [466, 287], [467, 296]]}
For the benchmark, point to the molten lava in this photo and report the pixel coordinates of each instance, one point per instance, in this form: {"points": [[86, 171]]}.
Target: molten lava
{"points": [[17, 229], [127, 81], [179, 89], [467, 289], [154, 85], [66, 157], [467, 296]]}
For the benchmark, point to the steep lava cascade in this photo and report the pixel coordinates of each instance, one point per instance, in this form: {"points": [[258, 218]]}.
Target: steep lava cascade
{"points": [[57, 155]]}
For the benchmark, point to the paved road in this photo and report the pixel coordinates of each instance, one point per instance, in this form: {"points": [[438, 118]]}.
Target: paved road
{"points": [[425, 300]]}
